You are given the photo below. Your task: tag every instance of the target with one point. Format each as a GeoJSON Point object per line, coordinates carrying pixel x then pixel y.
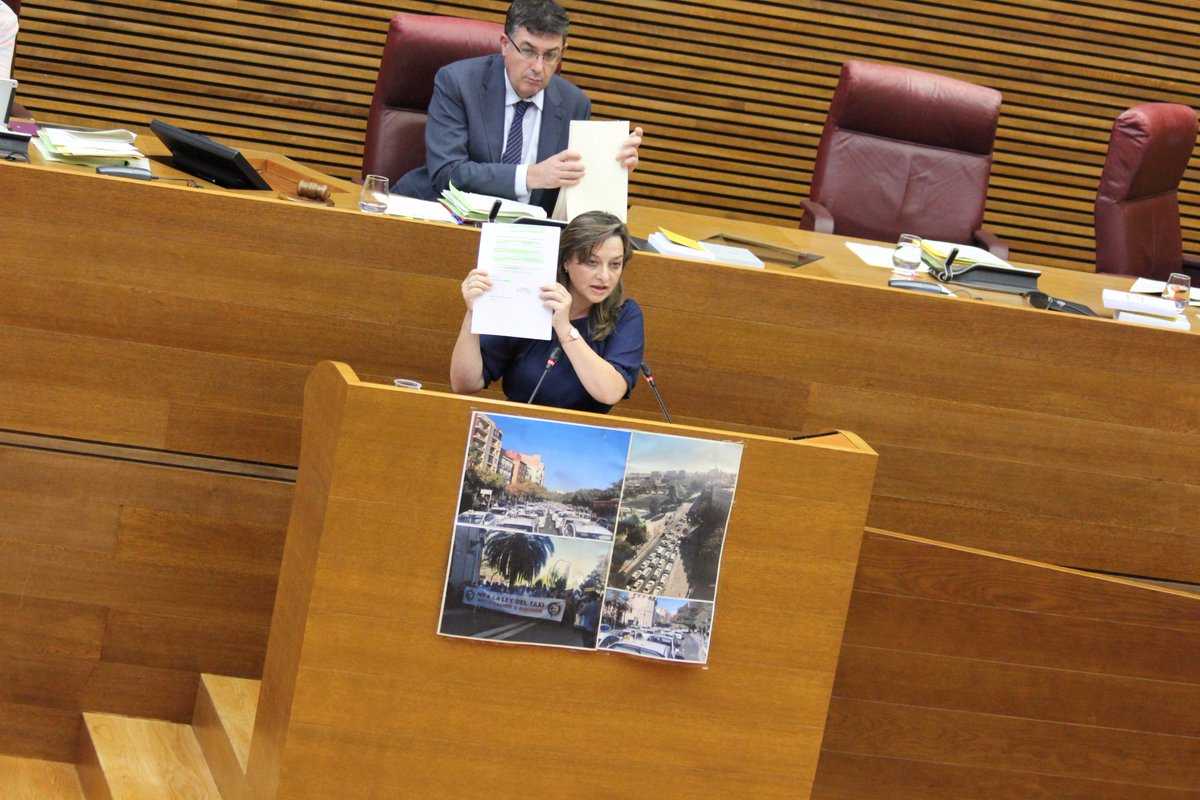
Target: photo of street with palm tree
{"type": "Point", "coordinates": [524, 588]}
{"type": "Point", "coordinates": [674, 509]}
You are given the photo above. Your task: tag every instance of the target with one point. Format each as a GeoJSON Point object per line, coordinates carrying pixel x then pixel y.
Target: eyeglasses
{"type": "Point", "coordinates": [550, 57]}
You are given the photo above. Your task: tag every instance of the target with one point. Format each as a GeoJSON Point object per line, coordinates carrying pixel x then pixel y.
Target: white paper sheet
{"type": "Point", "coordinates": [520, 259]}
{"type": "Point", "coordinates": [1139, 303]}
{"type": "Point", "coordinates": [1179, 323]}
{"type": "Point", "coordinates": [737, 256]}
{"type": "Point", "coordinates": [605, 184]}
{"type": "Point", "coordinates": [668, 248]}
{"type": "Point", "coordinates": [411, 207]}
{"type": "Point", "coordinates": [1147, 286]}
{"type": "Point", "coordinates": [876, 255]}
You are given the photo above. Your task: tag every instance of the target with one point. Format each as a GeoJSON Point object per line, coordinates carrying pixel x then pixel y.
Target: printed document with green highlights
{"type": "Point", "coordinates": [520, 260]}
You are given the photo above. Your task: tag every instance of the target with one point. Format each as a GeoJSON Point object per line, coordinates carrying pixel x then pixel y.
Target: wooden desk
{"type": "Point", "coordinates": [280, 172]}
{"type": "Point", "coordinates": [1067, 440]}
{"type": "Point", "coordinates": [159, 317]}
{"type": "Point", "coordinates": [839, 263]}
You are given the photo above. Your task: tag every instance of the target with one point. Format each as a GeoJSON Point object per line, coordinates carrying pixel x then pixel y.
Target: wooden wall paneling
{"type": "Point", "coordinates": [985, 413]}
{"type": "Point", "coordinates": [733, 94]}
{"type": "Point", "coordinates": [355, 677]}
{"type": "Point", "coordinates": [971, 675]}
{"type": "Point", "coordinates": [120, 582]}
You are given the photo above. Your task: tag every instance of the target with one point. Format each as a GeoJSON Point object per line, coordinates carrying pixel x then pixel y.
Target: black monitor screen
{"type": "Point", "coordinates": [199, 155]}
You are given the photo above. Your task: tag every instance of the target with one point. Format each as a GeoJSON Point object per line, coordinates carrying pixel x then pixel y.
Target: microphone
{"type": "Point", "coordinates": [654, 388]}
{"type": "Point", "coordinates": [550, 362]}
{"type": "Point", "coordinates": [1045, 301]}
{"type": "Point", "coordinates": [495, 210]}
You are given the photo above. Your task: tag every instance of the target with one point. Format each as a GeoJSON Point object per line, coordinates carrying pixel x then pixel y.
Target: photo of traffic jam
{"type": "Point", "coordinates": [655, 627]}
{"type": "Point", "coordinates": [586, 537]}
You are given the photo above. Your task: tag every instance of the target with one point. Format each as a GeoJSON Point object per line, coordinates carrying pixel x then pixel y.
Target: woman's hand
{"type": "Point", "coordinates": [556, 298]}
{"type": "Point", "coordinates": [476, 283]}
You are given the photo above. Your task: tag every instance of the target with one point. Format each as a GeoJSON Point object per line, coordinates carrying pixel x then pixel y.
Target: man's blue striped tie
{"type": "Point", "coordinates": [512, 149]}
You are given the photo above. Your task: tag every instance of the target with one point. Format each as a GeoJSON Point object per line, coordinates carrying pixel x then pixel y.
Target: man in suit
{"type": "Point", "coordinates": [499, 124]}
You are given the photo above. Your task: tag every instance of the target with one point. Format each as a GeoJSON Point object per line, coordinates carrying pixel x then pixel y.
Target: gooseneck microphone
{"type": "Point", "coordinates": [550, 362]}
{"type": "Point", "coordinates": [1051, 303]}
{"type": "Point", "coordinates": [654, 388]}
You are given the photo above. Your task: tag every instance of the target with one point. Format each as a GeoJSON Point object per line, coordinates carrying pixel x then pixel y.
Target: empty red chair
{"type": "Point", "coordinates": [417, 47]}
{"type": "Point", "coordinates": [1137, 207]}
{"type": "Point", "coordinates": [905, 151]}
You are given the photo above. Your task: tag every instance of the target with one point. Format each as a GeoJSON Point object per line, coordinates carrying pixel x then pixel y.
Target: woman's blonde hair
{"type": "Point", "coordinates": [579, 240]}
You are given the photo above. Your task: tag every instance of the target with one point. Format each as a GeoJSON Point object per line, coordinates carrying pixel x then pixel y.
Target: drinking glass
{"type": "Point", "coordinates": [906, 258]}
{"type": "Point", "coordinates": [1179, 289]}
{"type": "Point", "coordinates": [374, 196]}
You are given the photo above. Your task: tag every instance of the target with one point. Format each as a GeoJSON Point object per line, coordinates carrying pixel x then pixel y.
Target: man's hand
{"type": "Point", "coordinates": [563, 169]}
{"type": "Point", "coordinates": [628, 154]}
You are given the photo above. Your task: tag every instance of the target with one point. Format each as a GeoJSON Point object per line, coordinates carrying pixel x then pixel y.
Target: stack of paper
{"type": "Point", "coordinates": [669, 245]}
{"type": "Point", "coordinates": [1179, 323]}
{"type": "Point", "coordinates": [1147, 286]}
{"type": "Point", "coordinates": [1141, 310]}
{"type": "Point", "coordinates": [411, 207]}
{"type": "Point", "coordinates": [935, 253]}
{"type": "Point", "coordinates": [470, 207]}
{"type": "Point", "coordinates": [674, 244]}
{"type": "Point", "coordinates": [90, 148]}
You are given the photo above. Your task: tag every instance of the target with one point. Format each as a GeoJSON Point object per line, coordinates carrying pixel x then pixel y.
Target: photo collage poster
{"type": "Point", "coordinates": [589, 538]}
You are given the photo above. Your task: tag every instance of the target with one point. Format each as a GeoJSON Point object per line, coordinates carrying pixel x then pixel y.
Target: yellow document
{"type": "Point", "coordinates": [681, 240]}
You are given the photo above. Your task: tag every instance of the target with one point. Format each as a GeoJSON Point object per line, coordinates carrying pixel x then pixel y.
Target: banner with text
{"type": "Point", "coordinates": [550, 608]}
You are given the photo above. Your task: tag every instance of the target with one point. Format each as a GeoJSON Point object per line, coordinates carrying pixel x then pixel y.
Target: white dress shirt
{"type": "Point", "coordinates": [530, 129]}
{"type": "Point", "coordinates": [8, 41]}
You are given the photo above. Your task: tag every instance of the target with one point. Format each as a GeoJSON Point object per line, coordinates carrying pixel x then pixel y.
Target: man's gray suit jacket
{"type": "Point", "coordinates": [465, 134]}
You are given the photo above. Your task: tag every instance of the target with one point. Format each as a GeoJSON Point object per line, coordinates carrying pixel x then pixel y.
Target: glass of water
{"type": "Point", "coordinates": [906, 258]}
{"type": "Point", "coordinates": [374, 196]}
{"type": "Point", "coordinates": [1179, 289]}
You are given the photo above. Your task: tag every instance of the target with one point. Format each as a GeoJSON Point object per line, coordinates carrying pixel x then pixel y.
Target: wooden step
{"type": "Point", "coordinates": [223, 723]}
{"type": "Point", "coordinates": [30, 779]}
{"type": "Point", "coordinates": [124, 758]}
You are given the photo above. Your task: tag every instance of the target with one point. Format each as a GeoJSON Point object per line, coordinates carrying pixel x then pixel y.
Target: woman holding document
{"type": "Point", "coordinates": [597, 328]}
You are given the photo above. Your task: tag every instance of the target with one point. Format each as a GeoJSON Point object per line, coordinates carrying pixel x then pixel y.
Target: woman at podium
{"type": "Point", "coordinates": [592, 358]}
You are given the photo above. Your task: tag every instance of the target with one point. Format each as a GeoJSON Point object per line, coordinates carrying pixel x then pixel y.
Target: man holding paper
{"type": "Point", "coordinates": [498, 125]}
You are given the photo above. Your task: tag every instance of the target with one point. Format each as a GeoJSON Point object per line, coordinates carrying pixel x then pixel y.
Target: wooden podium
{"type": "Point", "coordinates": [361, 698]}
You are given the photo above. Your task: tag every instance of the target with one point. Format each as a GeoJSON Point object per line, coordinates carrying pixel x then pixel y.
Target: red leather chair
{"type": "Point", "coordinates": [1137, 207]}
{"type": "Point", "coordinates": [417, 47]}
{"type": "Point", "coordinates": [905, 151]}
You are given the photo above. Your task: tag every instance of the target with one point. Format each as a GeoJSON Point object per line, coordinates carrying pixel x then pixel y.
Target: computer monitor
{"type": "Point", "coordinates": [200, 156]}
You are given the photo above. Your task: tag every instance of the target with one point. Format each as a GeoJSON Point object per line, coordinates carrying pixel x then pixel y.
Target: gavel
{"type": "Point", "coordinates": [311, 190]}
